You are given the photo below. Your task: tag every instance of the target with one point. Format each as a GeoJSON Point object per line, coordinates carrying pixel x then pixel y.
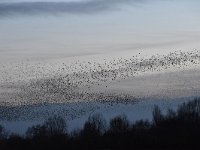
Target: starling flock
{"type": "Point", "coordinates": [71, 83]}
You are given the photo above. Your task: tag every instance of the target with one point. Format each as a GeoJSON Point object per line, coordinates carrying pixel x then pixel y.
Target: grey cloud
{"type": "Point", "coordinates": [81, 7]}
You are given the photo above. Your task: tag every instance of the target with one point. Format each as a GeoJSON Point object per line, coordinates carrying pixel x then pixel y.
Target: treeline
{"type": "Point", "coordinates": [178, 129]}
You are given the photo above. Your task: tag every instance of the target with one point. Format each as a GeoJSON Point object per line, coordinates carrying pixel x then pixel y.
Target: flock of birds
{"type": "Point", "coordinates": [75, 82]}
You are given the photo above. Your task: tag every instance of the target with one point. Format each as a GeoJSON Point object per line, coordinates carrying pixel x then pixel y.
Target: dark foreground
{"type": "Point", "coordinates": [178, 129]}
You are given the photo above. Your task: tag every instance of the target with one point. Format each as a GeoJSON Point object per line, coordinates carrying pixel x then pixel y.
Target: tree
{"type": "Point", "coordinates": [99, 122]}
{"type": "Point", "coordinates": [55, 125]}
{"type": "Point", "coordinates": [190, 111]}
{"type": "Point", "coordinates": [36, 131]}
{"type": "Point", "coordinates": [119, 124]}
{"type": "Point", "coordinates": [157, 115]}
{"type": "Point", "coordinates": [94, 126]}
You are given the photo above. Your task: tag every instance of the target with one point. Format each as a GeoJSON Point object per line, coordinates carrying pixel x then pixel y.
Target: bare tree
{"type": "Point", "coordinates": [36, 131]}
{"type": "Point", "coordinates": [98, 121]}
{"type": "Point", "coordinates": [94, 126]}
{"type": "Point", "coordinates": [157, 115]}
{"type": "Point", "coordinates": [55, 125]}
{"type": "Point", "coordinates": [119, 124]}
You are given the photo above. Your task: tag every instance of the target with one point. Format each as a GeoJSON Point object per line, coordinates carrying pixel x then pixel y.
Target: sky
{"type": "Point", "coordinates": [85, 27]}
{"type": "Point", "coordinates": [79, 27]}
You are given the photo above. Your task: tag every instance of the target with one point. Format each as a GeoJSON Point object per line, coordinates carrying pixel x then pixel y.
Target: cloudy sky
{"type": "Point", "coordinates": [97, 26]}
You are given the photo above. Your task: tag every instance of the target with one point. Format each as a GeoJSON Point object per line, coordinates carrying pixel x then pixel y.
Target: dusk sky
{"type": "Point", "coordinates": [75, 58]}
{"type": "Point", "coordinates": [97, 26]}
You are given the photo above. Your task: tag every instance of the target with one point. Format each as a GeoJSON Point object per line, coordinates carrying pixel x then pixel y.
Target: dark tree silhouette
{"type": "Point", "coordinates": [178, 129]}
{"type": "Point", "coordinates": [52, 126]}
{"type": "Point", "coordinates": [55, 125]}
{"type": "Point", "coordinates": [36, 131]}
{"type": "Point", "coordinates": [157, 115]}
{"type": "Point", "coordinates": [119, 124]}
{"type": "Point", "coordinates": [190, 111]}
{"type": "Point", "coordinates": [99, 122]}
{"type": "Point", "coordinates": [95, 125]}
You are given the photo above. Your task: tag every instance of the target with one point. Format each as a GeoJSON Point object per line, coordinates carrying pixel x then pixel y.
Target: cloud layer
{"type": "Point", "coordinates": [81, 7]}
